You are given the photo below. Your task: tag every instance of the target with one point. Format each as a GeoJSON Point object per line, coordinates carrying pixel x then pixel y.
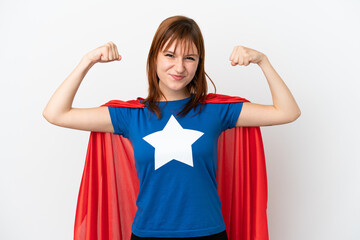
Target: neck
{"type": "Point", "coordinates": [174, 98]}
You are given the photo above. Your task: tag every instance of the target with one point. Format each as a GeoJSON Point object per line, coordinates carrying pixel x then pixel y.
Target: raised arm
{"type": "Point", "coordinates": [284, 108]}
{"type": "Point", "coordinates": [59, 110]}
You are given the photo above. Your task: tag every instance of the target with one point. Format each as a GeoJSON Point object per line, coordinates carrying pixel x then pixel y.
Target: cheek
{"type": "Point", "coordinates": [193, 68]}
{"type": "Point", "coordinates": [164, 66]}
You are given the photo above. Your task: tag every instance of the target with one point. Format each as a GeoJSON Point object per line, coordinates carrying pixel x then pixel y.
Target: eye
{"type": "Point", "coordinates": [191, 58]}
{"type": "Point", "coordinates": [169, 55]}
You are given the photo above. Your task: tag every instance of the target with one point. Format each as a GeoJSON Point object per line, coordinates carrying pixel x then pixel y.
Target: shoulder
{"type": "Point", "coordinates": [222, 98]}
{"type": "Point", "coordinates": [125, 104]}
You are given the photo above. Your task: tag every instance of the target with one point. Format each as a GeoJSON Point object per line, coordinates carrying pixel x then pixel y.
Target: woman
{"type": "Point", "coordinates": [171, 206]}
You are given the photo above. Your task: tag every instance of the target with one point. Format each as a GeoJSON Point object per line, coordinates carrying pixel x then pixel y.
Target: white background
{"type": "Point", "coordinates": [312, 163]}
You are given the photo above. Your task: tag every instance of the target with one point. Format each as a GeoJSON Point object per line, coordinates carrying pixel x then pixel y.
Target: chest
{"type": "Point", "coordinates": [173, 141]}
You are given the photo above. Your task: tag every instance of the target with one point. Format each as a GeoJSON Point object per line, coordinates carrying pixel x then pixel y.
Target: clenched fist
{"type": "Point", "coordinates": [104, 53]}
{"type": "Point", "coordinates": [244, 56]}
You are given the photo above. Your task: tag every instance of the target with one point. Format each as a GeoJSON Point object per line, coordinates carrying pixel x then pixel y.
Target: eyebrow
{"type": "Point", "coordinates": [186, 55]}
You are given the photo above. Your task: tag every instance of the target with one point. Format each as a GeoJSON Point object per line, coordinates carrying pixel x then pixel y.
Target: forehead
{"type": "Point", "coordinates": [185, 46]}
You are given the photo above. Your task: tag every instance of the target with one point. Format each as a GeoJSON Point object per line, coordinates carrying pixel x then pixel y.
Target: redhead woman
{"type": "Point", "coordinates": [174, 138]}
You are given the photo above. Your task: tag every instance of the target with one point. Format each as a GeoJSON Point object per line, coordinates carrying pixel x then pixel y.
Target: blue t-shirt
{"type": "Point", "coordinates": [175, 160]}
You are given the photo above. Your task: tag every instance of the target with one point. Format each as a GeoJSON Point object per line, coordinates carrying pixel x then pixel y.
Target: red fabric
{"type": "Point", "coordinates": [109, 187]}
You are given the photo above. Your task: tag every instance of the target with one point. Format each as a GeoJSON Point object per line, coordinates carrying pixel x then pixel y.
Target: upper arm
{"type": "Point", "coordinates": [228, 113]}
{"type": "Point", "coordinates": [253, 114]}
{"type": "Point", "coordinates": [95, 119]}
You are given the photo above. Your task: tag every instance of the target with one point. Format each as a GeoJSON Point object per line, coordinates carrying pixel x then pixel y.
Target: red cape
{"type": "Point", "coordinates": [109, 187]}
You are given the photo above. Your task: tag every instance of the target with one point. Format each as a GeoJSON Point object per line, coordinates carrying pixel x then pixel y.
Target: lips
{"type": "Point", "coordinates": [177, 77]}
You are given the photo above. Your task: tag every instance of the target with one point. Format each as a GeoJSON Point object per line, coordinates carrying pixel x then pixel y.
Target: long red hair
{"type": "Point", "coordinates": [184, 31]}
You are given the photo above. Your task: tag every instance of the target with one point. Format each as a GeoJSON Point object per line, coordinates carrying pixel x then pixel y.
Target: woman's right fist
{"type": "Point", "coordinates": [105, 53]}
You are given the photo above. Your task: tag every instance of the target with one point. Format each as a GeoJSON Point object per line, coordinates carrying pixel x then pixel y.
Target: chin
{"type": "Point", "coordinates": [178, 86]}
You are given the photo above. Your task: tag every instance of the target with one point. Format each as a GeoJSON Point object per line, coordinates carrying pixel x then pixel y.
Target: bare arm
{"type": "Point", "coordinates": [59, 110]}
{"type": "Point", "coordinates": [284, 108]}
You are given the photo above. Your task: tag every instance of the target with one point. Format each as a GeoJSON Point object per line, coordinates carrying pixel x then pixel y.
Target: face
{"type": "Point", "coordinates": [176, 70]}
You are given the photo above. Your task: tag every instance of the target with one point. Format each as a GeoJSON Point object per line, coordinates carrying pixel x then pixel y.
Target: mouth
{"type": "Point", "coordinates": [177, 77]}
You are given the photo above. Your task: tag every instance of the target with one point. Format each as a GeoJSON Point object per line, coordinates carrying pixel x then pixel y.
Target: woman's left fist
{"type": "Point", "coordinates": [244, 56]}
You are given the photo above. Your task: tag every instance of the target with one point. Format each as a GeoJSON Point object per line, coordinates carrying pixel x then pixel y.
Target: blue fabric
{"type": "Point", "coordinates": [178, 190]}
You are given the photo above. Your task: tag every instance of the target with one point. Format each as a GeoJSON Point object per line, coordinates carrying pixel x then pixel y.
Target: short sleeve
{"type": "Point", "coordinates": [229, 114]}
{"type": "Point", "coordinates": [119, 119]}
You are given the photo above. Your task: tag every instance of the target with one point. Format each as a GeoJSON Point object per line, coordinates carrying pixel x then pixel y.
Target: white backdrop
{"type": "Point", "coordinates": [312, 163]}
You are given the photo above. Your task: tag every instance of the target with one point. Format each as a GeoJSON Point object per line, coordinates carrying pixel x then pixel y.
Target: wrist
{"type": "Point", "coordinates": [263, 61]}
{"type": "Point", "coordinates": [86, 62]}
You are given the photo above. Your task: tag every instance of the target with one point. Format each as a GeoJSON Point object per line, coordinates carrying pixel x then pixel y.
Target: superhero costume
{"type": "Point", "coordinates": [109, 187]}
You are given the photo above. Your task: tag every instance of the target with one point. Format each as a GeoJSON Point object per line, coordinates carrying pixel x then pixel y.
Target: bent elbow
{"type": "Point", "coordinates": [48, 117]}
{"type": "Point", "coordinates": [44, 114]}
{"type": "Point", "coordinates": [296, 116]}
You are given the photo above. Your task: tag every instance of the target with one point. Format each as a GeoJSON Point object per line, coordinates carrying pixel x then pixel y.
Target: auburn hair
{"type": "Point", "coordinates": [184, 31]}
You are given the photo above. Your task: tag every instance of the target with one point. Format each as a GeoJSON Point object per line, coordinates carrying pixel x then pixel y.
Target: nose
{"type": "Point", "coordinates": [179, 66]}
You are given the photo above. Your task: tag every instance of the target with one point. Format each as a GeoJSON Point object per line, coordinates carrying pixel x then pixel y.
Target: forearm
{"type": "Point", "coordinates": [61, 101]}
{"type": "Point", "coordinates": [282, 98]}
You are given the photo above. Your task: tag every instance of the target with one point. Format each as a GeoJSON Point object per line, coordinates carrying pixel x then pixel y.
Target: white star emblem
{"type": "Point", "coordinates": [173, 142]}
